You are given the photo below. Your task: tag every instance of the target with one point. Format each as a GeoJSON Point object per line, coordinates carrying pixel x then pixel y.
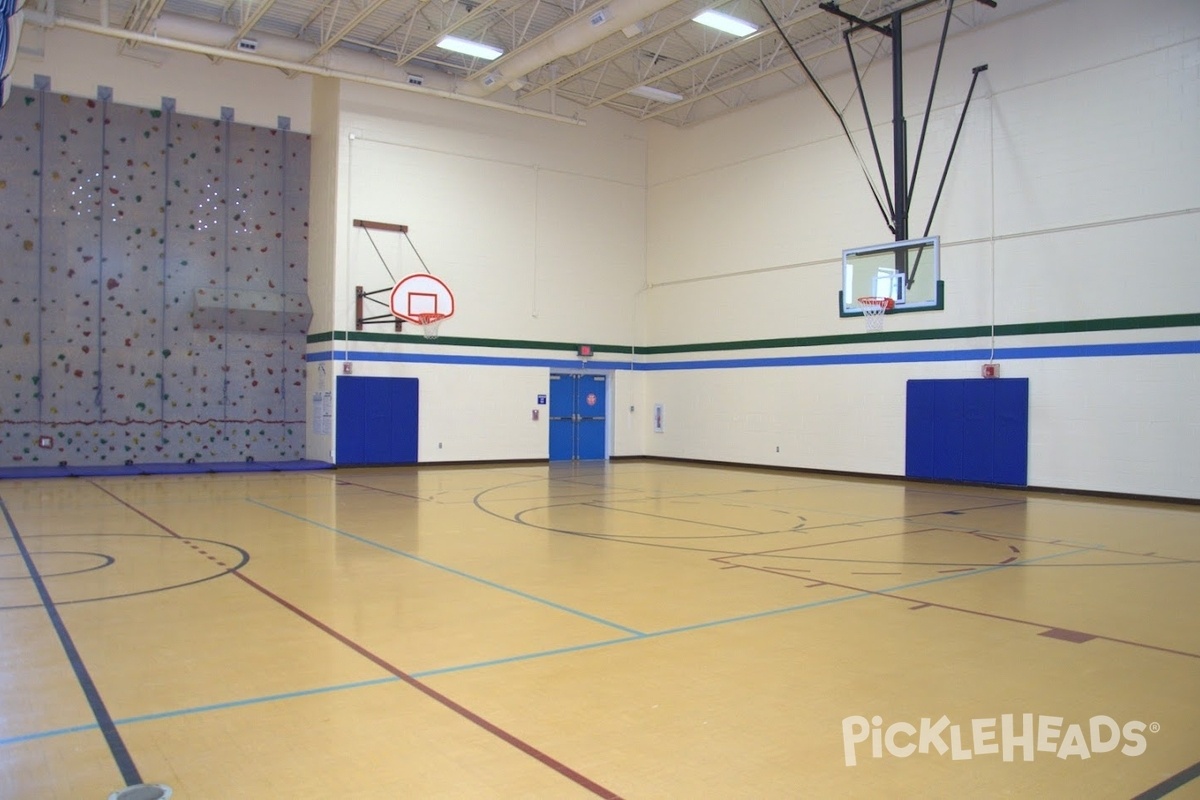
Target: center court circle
{"type": "Point", "coordinates": [12, 565]}
{"type": "Point", "coordinates": [86, 567]}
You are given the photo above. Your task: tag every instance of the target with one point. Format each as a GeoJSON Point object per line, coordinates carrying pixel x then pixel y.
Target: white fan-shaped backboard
{"type": "Point", "coordinates": [418, 296]}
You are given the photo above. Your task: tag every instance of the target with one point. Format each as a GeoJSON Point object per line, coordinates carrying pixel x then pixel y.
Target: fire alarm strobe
{"type": "Point", "coordinates": [585, 351]}
{"type": "Point", "coordinates": [991, 370]}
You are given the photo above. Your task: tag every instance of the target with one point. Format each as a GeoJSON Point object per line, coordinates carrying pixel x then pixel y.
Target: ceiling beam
{"type": "Point", "coordinates": [345, 30]}
{"type": "Point", "coordinates": [451, 28]}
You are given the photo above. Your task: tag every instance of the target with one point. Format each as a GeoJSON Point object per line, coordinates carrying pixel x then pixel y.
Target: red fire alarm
{"type": "Point", "coordinates": [585, 351]}
{"type": "Point", "coordinates": [991, 370]}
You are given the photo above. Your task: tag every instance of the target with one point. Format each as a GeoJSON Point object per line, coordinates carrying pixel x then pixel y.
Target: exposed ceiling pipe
{"type": "Point", "coordinates": [209, 39]}
{"type": "Point", "coordinates": [587, 28]}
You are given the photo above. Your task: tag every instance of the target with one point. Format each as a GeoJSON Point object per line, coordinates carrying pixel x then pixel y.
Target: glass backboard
{"type": "Point", "coordinates": [908, 272]}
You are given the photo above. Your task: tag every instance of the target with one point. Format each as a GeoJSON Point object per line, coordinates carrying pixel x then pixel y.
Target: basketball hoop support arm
{"type": "Point", "coordinates": [391, 227]}
{"type": "Point", "coordinates": [360, 298]}
{"type": "Point", "coordinates": [899, 204]}
{"type": "Point", "coordinates": [946, 170]}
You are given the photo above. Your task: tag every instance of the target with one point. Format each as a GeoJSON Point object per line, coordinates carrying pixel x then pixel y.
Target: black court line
{"type": "Point", "coordinates": [116, 745]}
{"type": "Point", "coordinates": [1172, 783]}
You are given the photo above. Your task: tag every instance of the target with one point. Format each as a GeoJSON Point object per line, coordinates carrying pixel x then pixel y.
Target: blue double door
{"type": "Point", "coordinates": [578, 411]}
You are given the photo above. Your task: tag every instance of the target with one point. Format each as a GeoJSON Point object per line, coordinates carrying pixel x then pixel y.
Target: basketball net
{"type": "Point", "coordinates": [873, 310]}
{"type": "Point", "coordinates": [429, 324]}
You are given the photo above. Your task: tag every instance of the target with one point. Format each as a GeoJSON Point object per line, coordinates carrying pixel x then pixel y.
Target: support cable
{"type": "Point", "coordinates": [937, 67]}
{"type": "Point", "coordinates": [841, 120]}
{"type": "Point", "coordinates": [946, 170]}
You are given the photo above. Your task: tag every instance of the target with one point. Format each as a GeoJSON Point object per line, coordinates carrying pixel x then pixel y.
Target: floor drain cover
{"type": "Point", "coordinates": [143, 791]}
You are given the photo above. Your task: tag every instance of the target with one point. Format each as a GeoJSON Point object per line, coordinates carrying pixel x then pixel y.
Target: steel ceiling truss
{"type": "Point", "coordinates": [712, 72]}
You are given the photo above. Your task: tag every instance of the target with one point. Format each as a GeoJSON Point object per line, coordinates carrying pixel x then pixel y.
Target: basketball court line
{"type": "Point", "coordinates": [1172, 783]}
{"type": "Point", "coordinates": [445, 701]}
{"type": "Point", "coordinates": [865, 593]}
{"type": "Point", "coordinates": [737, 533]}
{"type": "Point", "coordinates": [418, 675]}
{"type": "Point", "coordinates": [182, 712]}
{"type": "Point", "coordinates": [434, 499]}
{"type": "Point", "coordinates": [108, 729]}
{"type": "Point", "coordinates": [225, 568]}
{"type": "Point", "coordinates": [451, 570]}
{"type": "Point", "coordinates": [891, 594]}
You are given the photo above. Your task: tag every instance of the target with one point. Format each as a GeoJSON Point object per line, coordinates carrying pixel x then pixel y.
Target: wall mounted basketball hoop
{"type": "Point", "coordinates": [420, 298]}
{"type": "Point", "coordinates": [424, 300]}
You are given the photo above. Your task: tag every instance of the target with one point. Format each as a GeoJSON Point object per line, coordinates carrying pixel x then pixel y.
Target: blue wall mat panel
{"type": "Point", "coordinates": [973, 430]}
{"type": "Point", "coordinates": [120, 218]}
{"type": "Point", "coordinates": [948, 430]}
{"type": "Point", "coordinates": [1011, 454]}
{"type": "Point", "coordinates": [978, 430]}
{"type": "Point", "coordinates": [377, 420]}
{"type": "Point", "coordinates": [920, 421]}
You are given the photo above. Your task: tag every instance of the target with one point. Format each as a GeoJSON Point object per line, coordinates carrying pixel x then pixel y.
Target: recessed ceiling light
{"type": "Point", "coordinates": [726, 23]}
{"type": "Point", "coordinates": [467, 47]}
{"type": "Point", "coordinates": [652, 93]}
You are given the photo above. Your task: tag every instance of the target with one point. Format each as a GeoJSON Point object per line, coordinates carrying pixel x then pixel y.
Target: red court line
{"type": "Point", "coordinates": [466, 713]}
{"type": "Point", "coordinates": [986, 614]}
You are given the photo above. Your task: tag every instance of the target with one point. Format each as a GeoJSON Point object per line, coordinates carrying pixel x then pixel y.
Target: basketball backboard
{"type": "Point", "coordinates": [908, 272]}
{"type": "Point", "coordinates": [420, 298]}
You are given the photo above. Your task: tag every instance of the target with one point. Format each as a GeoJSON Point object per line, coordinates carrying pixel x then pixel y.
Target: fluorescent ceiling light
{"type": "Point", "coordinates": [467, 47]}
{"type": "Point", "coordinates": [724, 22]}
{"type": "Point", "coordinates": [661, 95]}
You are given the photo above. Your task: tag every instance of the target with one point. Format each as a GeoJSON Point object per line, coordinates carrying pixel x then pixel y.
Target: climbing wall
{"type": "Point", "coordinates": [158, 285]}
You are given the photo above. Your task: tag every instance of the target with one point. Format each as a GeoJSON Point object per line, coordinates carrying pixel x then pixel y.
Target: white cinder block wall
{"type": "Point", "coordinates": [1074, 195]}
{"type": "Point", "coordinates": [538, 228]}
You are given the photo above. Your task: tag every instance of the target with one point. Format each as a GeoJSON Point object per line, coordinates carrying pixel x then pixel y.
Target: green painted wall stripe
{"type": "Point", "coordinates": [972, 332]}
{"type": "Point", "coordinates": [461, 341]}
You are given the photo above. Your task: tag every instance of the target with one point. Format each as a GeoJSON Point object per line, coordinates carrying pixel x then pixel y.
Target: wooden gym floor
{"type": "Point", "coordinates": [636, 629]}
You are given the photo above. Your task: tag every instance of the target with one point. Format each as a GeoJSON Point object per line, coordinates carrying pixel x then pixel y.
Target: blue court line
{"type": "Point", "coordinates": [745, 617]}
{"type": "Point", "coordinates": [484, 581]}
{"type": "Point", "coordinates": [531, 656]}
{"type": "Point", "coordinates": [181, 712]}
{"type": "Point", "coordinates": [29, 737]}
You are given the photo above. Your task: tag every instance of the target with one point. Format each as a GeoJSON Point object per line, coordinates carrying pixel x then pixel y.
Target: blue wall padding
{"type": "Point", "coordinates": [377, 420]}
{"type": "Point", "coordinates": [972, 430]}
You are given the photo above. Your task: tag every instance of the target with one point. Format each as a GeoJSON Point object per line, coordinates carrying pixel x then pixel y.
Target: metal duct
{"type": "Point", "coordinates": [575, 36]}
{"type": "Point", "coordinates": [211, 38]}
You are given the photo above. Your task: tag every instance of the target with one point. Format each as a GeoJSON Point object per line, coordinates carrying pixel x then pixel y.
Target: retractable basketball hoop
{"type": "Point", "coordinates": [873, 310]}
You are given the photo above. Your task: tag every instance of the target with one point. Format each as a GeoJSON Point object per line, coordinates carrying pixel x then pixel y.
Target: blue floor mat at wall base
{"type": "Point", "coordinates": [106, 470]}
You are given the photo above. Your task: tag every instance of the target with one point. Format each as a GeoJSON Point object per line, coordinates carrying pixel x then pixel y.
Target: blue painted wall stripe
{"type": "Point", "coordinates": [1048, 352]}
